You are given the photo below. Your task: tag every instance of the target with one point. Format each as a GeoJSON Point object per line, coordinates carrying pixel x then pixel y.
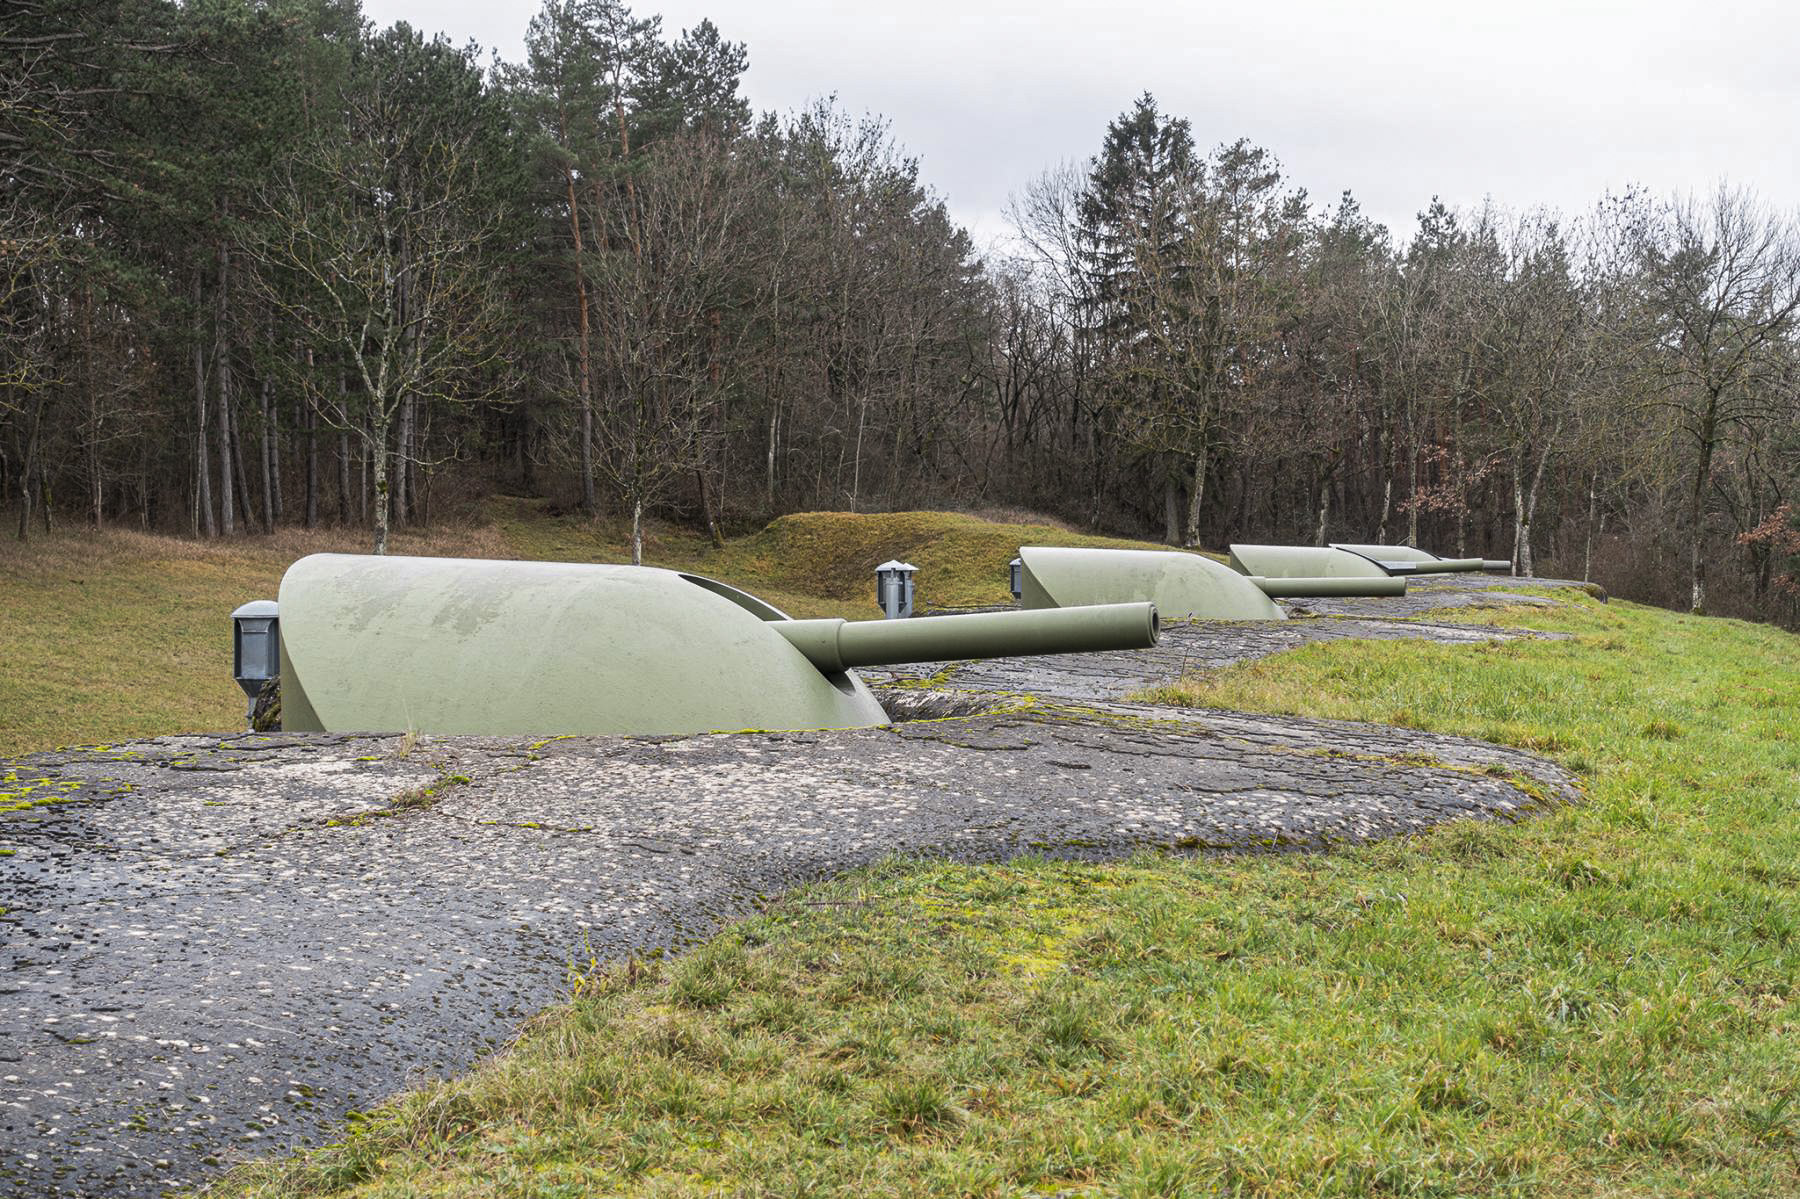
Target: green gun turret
{"type": "Point", "coordinates": [462, 646]}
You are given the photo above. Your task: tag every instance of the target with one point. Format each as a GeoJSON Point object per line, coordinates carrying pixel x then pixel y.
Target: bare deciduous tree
{"type": "Point", "coordinates": [1720, 300]}
{"type": "Point", "coordinates": [669, 297]}
{"type": "Point", "coordinates": [374, 251]}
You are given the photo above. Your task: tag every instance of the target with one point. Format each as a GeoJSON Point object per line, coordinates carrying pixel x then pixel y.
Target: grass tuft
{"type": "Point", "coordinates": [911, 1106]}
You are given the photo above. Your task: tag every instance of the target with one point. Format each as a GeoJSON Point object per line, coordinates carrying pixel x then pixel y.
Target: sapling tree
{"type": "Point", "coordinates": [672, 306]}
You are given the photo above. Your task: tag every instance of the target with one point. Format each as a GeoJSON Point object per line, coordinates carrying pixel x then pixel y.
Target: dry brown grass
{"type": "Point", "coordinates": [118, 633]}
{"type": "Point", "coordinates": [1002, 515]}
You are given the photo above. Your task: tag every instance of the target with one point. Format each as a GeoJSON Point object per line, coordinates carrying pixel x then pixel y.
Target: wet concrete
{"type": "Point", "coordinates": [1428, 594]}
{"type": "Point", "coordinates": [215, 946]}
{"type": "Point", "coordinates": [1200, 646]}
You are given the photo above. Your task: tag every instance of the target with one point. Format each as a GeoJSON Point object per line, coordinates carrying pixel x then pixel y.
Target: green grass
{"type": "Point", "coordinates": [111, 635]}
{"type": "Point", "coordinates": [1600, 1001]}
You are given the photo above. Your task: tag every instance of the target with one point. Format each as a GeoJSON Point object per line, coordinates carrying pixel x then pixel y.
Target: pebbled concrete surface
{"type": "Point", "coordinates": [1426, 594]}
{"type": "Point", "coordinates": [1209, 645]}
{"type": "Point", "coordinates": [214, 946]}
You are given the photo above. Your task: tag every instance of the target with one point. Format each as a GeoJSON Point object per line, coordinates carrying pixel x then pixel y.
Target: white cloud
{"type": "Point", "coordinates": [1528, 101]}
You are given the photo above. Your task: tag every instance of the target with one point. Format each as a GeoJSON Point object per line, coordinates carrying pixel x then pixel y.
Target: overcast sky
{"type": "Point", "coordinates": [1527, 101]}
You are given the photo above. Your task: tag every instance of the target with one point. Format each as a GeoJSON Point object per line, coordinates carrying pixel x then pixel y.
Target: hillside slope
{"type": "Point", "coordinates": [819, 563]}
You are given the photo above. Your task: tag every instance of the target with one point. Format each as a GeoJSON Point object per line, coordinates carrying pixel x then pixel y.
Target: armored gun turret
{"type": "Point", "coordinates": [462, 646]}
{"type": "Point", "coordinates": [1182, 586]}
{"type": "Point", "coordinates": [1302, 561]}
{"type": "Point", "coordinates": [1349, 562]}
{"type": "Point", "coordinates": [1404, 559]}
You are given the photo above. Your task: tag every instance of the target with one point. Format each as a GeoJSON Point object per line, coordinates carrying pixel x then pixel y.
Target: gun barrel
{"type": "Point", "coordinates": [834, 645]}
{"type": "Point", "coordinates": [1296, 588]}
{"type": "Point", "coordinates": [1497, 565]}
{"type": "Point", "coordinates": [1438, 566]}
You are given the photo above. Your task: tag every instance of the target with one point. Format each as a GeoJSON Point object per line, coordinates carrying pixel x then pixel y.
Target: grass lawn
{"type": "Point", "coordinates": [116, 634]}
{"type": "Point", "coordinates": [1600, 1001]}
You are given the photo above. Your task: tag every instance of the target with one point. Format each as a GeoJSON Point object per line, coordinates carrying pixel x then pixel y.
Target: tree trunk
{"type": "Point", "coordinates": [1462, 506]}
{"type": "Point", "coordinates": [227, 502]}
{"type": "Point", "coordinates": [421, 485]}
{"type": "Point", "coordinates": [27, 463]}
{"type": "Point", "coordinates": [222, 364]}
{"type": "Point", "coordinates": [43, 494]}
{"type": "Point", "coordinates": [1387, 508]}
{"type": "Point", "coordinates": [379, 453]}
{"type": "Point", "coordinates": [343, 450]}
{"type": "Point", "coordinates": [310, 411]}
{"type": "Point", "coordinates": [1171, 508]}
{"type": "Point", "coordinates": [1521, 555]}
{"type": "Point", "coordinates": [248, 511]}
{"type": "Point", "coordinates": [1527, 564]}
{"type": "Point", "coordinates": [203, 488]}
{"type": "Point", "coordinates": [1412, 495]}
{"type": "Point", "coordinates": [1587, 550]}
{"type": "Point", "coordinates": [268, 459]}
{"type": "Point", "coordinates": [280, 504]}
{"type": "Point", "coordinates": [637, 530]}
{"type": "Point", "coordinates": [1196, 495]}
{"type": "Point", "coordinates": [769, 476]}
{"type": "Point", "coordinates": [368, 448]}
{"type": "Point", "coordinates": [1531, 499]}
{"type": "Point", "coordinates": [402, 460]}
{"type": "Point", "coordinates": [1697, 506]}
{"type": "Point", "coordinates": [96, 478]}
{"type": "Point", "coordinates": [420, 467]}
{"type": "Point", "coordinates": [411, 438]}
{"type": "Point", "coordinates": [343, 473]}
{"type": "Point", "coordinates": [584, 379]}
{"type": "Point", "coordinates": [862, 419]}
{"type": "Point", "coordinates": [706, 510]}
{"type": "Point", "coordinates": [1324, 508]}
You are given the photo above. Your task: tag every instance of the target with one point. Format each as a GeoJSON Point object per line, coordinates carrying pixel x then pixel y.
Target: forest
{"type": "Point", "coordinates": [262, 263]}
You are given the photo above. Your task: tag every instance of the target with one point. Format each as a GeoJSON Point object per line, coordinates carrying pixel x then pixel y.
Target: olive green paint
{"type": "Point", "coordinates": [834, 644]}
{"type": "Point", "coordinates": [1303, 588]}
{"type": "Point", "coordinates": [1182, 586]}
{"type": "Point", "coordinates": [463, 646]}
{"type": "Point", "coordinates": [1301, 562]}
{"type": "Point", "coordinates": [1422, 562]}
{"type": "Point", "coordinates": [460, 646]}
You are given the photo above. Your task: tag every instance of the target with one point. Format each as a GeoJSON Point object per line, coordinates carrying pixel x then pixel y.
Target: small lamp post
{"type": "Point", "coordinates": [894, 589]}
{"type": "Point", "coordinates": [255, 648]}
{"type": "Point", "coordinates": [1014, 569]}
